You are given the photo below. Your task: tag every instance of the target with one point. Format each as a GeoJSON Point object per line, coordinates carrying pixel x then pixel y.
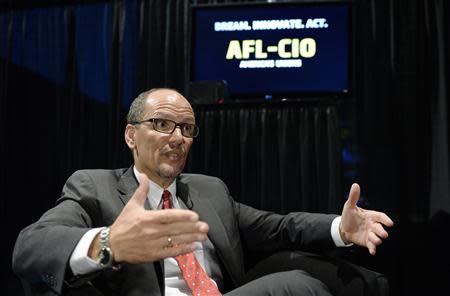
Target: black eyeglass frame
{"type": "Point", "coordinates": [181, 125]}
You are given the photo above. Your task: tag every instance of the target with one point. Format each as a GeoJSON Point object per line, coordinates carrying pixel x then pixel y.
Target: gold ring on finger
{"type": "Point", "coordinates": [169, 242]}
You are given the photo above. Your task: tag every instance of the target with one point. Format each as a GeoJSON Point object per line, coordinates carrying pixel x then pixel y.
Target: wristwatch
{"type": "Point", "coordinates": [105, 256]}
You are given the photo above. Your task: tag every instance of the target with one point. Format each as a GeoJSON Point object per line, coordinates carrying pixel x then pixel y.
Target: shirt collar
{"type": "Point", "coordinates": [155, 192]}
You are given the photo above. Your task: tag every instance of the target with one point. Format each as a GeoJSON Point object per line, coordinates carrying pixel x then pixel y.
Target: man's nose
{"type": "Point", "coordinates": [177, 136]}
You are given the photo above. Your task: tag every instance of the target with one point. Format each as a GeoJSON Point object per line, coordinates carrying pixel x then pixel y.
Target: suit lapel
{"type": "Point", "coordinates": [127, 185]}
{"type": "Point", "coordinates": [217, 233]}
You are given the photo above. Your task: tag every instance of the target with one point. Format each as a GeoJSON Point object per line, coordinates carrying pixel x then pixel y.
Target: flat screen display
{"type": "Point", "coordinates": [269, 50]}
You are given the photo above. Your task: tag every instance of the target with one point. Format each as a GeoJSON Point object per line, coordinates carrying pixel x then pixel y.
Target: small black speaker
{"type": "Point", "coordinates": [208, 92]}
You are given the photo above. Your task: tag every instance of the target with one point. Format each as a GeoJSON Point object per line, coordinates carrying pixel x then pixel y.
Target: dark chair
{"type": "Point", "coordinates": [341, 276]}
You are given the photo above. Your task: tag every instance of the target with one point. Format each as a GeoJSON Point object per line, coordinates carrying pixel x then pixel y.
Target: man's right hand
{"type": "Point", "coordinates": [139, 235]}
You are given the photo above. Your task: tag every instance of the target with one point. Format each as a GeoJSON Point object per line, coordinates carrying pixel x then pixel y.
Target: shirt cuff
{"type": "Point", "coordinates": [80, 262]}
{"type": "Point", "coordinates": [335, 234]}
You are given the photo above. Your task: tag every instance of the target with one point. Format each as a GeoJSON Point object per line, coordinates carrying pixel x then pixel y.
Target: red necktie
{"type": "Point", "coordinates": [194, 275]}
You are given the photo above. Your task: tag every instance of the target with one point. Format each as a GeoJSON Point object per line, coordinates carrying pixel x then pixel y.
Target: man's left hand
{"type": "Point", "coordinates": [362, 227]}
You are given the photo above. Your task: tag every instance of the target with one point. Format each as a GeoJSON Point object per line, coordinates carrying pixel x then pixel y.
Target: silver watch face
{"type": "Point", "coordinates": [105, 256]}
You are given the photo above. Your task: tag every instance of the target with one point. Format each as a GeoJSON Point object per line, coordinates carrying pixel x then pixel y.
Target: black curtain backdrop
{"type": "Point", "coordinates": [69, 69]}
{"type": "Point", "coordinates": [281, 157]}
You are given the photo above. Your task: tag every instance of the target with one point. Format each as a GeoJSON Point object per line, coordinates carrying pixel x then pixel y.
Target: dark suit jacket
{"type": "Point", "coordinates": [94, 198]}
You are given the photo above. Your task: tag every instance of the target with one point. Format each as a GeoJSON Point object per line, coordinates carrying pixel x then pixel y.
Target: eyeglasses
{"type": "Point", "coordinates": [167, 126]}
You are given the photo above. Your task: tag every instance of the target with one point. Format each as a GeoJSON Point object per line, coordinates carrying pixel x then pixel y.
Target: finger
{"type": "Point", "coordinates": [188, 232]}
{"type": "Point", "coordinates": [170, 216]}
{"type": "Point", "coordinates": [178, 228]}
{"type": "Point", "coordinates": [379, 230]}
{"type": "Point", "coordinates": [183, 227]}
{"type": "Point", "coordinates": [381, 218]}
{"type": "Point", "coordinates": [165, 252]}
{"type": "Point", "coordinates": [140, 195]}
{"type": "Point", "coordinates": [374, 239]}
{"type": "Point", "coordinates": [181, 239]}
{"type": "Point", "coordinates": [178, 250]}
{"type": "Point", "coordinates": [372, 248]}
{"type": "Point", "coordinates": [353, 196]}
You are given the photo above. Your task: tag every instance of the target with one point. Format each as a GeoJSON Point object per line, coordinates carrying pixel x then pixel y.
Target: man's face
{"type": "Point", "coordinates": [161, 156]}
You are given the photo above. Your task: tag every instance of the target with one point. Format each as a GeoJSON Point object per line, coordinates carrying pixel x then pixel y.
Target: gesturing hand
{"type": "Point", "coordinates": [139, 235]}
{"type": "Point", "coordinates": [360, 226]}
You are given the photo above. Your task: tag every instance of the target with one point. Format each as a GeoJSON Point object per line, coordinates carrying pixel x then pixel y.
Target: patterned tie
{"type": "Point", "coordinates": [194, 275]}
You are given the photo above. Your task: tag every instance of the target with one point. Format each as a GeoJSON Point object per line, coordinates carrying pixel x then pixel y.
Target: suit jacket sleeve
{"type": "Point", "coordinates": [267, 232]}
{"type": "Point", "coordinates": [43, 249]}
{"type": "Point", "coordinates": [264, 232]}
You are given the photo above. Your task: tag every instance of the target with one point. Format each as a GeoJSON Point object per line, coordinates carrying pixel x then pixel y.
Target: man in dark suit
{"type": "Point", "coordinates": [106, 236]}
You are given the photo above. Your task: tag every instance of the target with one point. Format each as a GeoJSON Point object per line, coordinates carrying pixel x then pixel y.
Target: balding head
{"type": "Point", "coordinates": [136, 112]}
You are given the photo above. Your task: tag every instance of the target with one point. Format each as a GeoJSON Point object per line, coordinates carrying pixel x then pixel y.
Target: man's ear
{"type": "Point", "coordinates": [130, 131]}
